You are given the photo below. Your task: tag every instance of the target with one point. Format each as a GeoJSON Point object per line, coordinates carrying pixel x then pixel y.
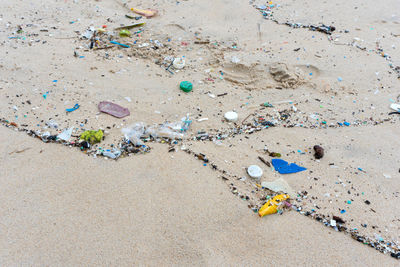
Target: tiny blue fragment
{"type": "Point", "coordinates": [72, 109]}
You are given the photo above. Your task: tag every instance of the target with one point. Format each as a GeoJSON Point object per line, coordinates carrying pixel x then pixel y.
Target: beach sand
{"type": "Point", "coordinates": [65, 207]}
{"type": "Point", "coordinates": [61, 207]}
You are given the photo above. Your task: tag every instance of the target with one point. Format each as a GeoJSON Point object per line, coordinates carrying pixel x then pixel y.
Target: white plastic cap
{"type": "Point", "coordinates": [231, 116]}
{"type": "Point", "coordinates": [254, 171]}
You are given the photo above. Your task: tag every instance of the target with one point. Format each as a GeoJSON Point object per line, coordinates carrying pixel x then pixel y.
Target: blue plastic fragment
{"type": "Point", "coordinates": [283, 167]}
{"type": "Point", "coordinates": [346, 123]}
{"type": "Point", "coordinates": [72, 109]}
{"type": "Point", "coordinates": [123, 45]}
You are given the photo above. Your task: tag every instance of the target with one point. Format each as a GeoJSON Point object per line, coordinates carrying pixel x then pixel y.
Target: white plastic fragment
{"type": "Point", "coordinates": [231, 116]}
{"type": "Point", "coordinates": [66, 134]}
{"type": "Point", "coordinates": [255, 171]}
{"type": "Point", "coordinates": [235, 60]}
{"type": "Point", "coordinates": [279, 185]}
{"type": "Point", "coordinates": [178, 63]}
{"type": "Point", "coordinates": [395, 107]}
{"type": "Point", "coordinates": [387, 176]}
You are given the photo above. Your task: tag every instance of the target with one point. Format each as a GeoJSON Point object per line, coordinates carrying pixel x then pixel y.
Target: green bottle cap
{"type": "Point", "coordinates": [186, 86]}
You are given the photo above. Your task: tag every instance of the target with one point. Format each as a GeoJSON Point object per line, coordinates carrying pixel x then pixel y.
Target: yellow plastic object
{"type": "Point", "coordinates": [148, 13]}
{"type": "Point", "coordinates": [271, 206]}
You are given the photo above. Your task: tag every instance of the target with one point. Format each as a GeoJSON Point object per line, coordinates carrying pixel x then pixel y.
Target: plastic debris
{"type": "Point", "coordinates": [73, 108]}
{"type": "Point", "coordinates": [92, 136]}
{"type": "Point", "coordinates": [124, 33]}
{"type": "Point", "coordinates": [272, 205]}
{"type": "Point", "coordinates": [148, 13]}
{"type": "Point", "coordinates": [186, 86]}
{"type": "Point", "coordinates": [114, 154]}
{"type": "Point", "coordinates": [179, 63]}
{"type": "Point", "coordinates": [117, 43]}
{"type": "Point", "coordinates": [128, 27]}
{"type": "Point", "coordinates": [66, 134]}
{"type": "Point", "coordinates": [113, 109]}
{"type": "Point", "coordinates": [172, 131]}
{"type": "Point", "coordinates": [255, 171]}
{"type": "Point", "coordinates": [88, 34]}
{"type": "Point", "coordinates": [387, 176]}
{"type": "Point", "coordinates": [283, 167]}
{"type": "Point", "coordinates": [231, 116]}
{"type": "Point", "coordinates": [52, 124]}
{"type": "Point", "coordinates": [395, 107]}
{"type": "Point", "coordinates": [134, 132]}
{"type": "Point", "coordinates": [279, 185]}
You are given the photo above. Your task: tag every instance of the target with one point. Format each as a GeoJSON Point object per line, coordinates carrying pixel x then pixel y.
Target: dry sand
{"type": "Point", "coordinates": [62, 207]}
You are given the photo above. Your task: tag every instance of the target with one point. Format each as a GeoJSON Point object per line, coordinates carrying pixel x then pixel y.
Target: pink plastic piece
{"type": "Point", "coordinates": [113, 109]}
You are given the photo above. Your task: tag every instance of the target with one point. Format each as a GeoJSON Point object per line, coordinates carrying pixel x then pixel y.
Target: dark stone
{"type": "Point", "coordinates": [319, 152]}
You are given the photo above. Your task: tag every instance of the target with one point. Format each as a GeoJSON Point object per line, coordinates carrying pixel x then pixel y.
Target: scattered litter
{"type": "Point", "coordinates": [395, 107]}
{"type": "Point", "coordinates": [179, 63]}
{"type": "Point", "coordinates": [274, 154]}
{"type": "Point", "coordinates": [235, 60]}
{"type": "Point", "coordinates": [134, 132]}
{"type": "Point", "coordinates": [114, 154]}
{"type": "Point", "coordinates": [117, 43]}
{"type": "Point", "coordinates": [124, 33]}
{"type": "Point", "coordinates": [231, 116]}
{"type": "Point", "coordinates": [128, 27]}
{"type": "Point", "coordinates": [113, 109]}
{"type": "Point", "coordinates": [279, 185]}
{"type": "Point", "coordinates": [186, 86]}
{"type": "Point", "coordinates": [52, 124]}
{"type": "Point", "coordinates": [148, 13]}
{"type": "Point", "coordinates": [255, 171]}
{"type": "Point", "coordinates": [92, 136]}
{"type": "Point", "coordinates": [73, 108]}
{"type": "Point", "coordinates": [387, 176]}
{"type": "Point", "coordinates": [66, 134]}
{"type": "Point", "coordinates": [173, 131]}
{"type": "Point", "coordinates": [272, 205]}
{"type": "Point", "coordinates": [283, 167]}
